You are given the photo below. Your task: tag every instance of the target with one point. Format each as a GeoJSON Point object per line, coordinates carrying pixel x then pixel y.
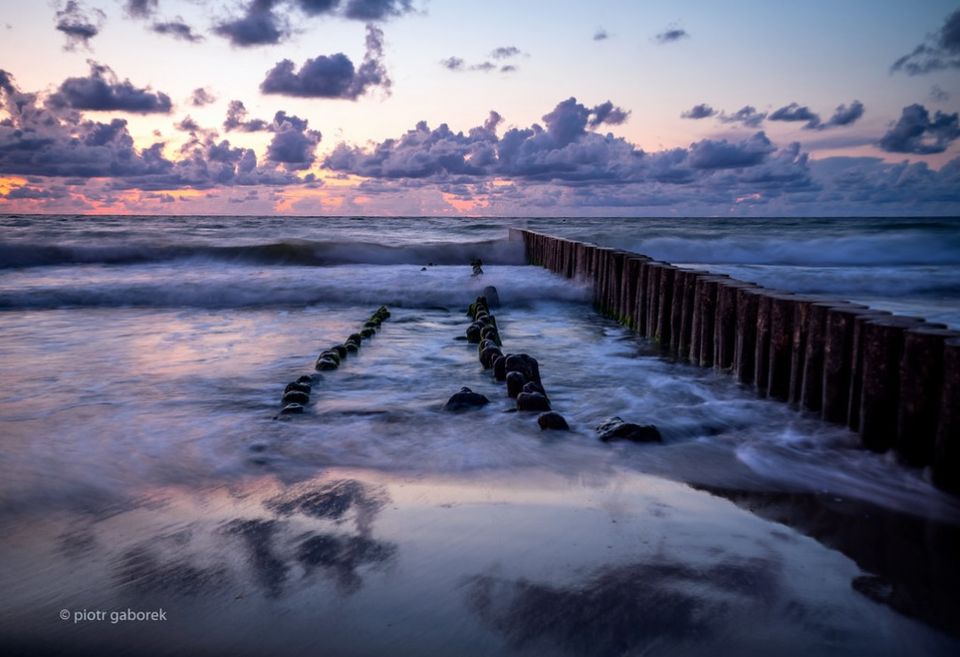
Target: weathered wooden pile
{"type": "Point", "coordinates": [895, 380]}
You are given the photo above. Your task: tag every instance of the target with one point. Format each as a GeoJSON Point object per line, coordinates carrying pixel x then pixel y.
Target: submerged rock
{"type": "Point", "coordinates": [367, 333]}
{"type": "Point", "coordinates": [295, 397]}
{"type": "Point", "coordinates": [355, 337]}
{"type": "Point", "coordinates": [352, 347]}
{"type": "Point", "coordinates": [515, 383]}
{"type": "Point", "coordinates": [526, 365]}
{"type": "Point", "coordinates": [531, 386]}
{"type": "Point", "coordinates": [500, 368]}
{"type": "Point", "coordinates": [332, 355]}
{"type": "Point", "coordinates": [292, 409]}
{"type": "Point", "coordinates": [465, 400]}
{"type": "Point", "coordinates": [299, 387]}
{"type": "Point", "coordinates": [552, 420]}
{"type": "Point", "coordinates": [340, 349]}
{"type": "Point", "coordinates": [532, 401]}
{"type": "Point", "coordinates": [615, 428]}
{"type": "Point", "coordinates": [473, 333]}
{"type": "Point", "coordinates": [325, 364]}
{"type": "Point", "coordinates": [309, 379]}
{"type": "Point", "coordinates": [488, 355]}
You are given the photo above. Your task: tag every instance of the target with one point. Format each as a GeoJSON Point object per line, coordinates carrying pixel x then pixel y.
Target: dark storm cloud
{"type": "Point", "coordinates": [78, 24]}
{"type": "Point", "coordinates": [747, 115]}
{"type": "Point", "coordinates": [915, 132]}
{"type": "Point", "coordinates": [701, 111]}
{"type": "Point", "coordinates": [178, 29]}
{"type": "Point", "coordinates": [53, 141]}
{"type": "Point", "coordinates": [140, 8]}
{"type": "Point", "coordinates": [102, 91]}
{"type": "Point", "coordinates": [201, 97]}
{"type": "Point", "coordinates": [940, 51]}
{"type": "Point", "coordinates": [505, 52]}
{"type": "Point", "coordinates": [671, 35]}
{"type": "Point", "coordinates": [332, 76]}
{"type": "Point", "coordinates": [794, 113]}
{"type": "Point", "coordinates": [601, 35]}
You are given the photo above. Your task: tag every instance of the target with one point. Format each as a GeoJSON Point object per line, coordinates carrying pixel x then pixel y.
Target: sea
{"type": "Point", "coordinates": [144, 465]}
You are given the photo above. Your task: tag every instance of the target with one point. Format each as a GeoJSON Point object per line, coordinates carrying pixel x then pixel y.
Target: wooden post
{"type": "Point", "coordinates": [725, 323]}
{"type": "Point", "coordinates": [653, 297]}
{"type": "Point", "coordinates": [879, 396]}
{"type": "Point", "coordinates": [745, 345]}
{"type": "Point", "coordinates": [921, 381]}
{"type": "Point", "coordinates": [640, 305]}
{"type": "Point", "coordinates": [781, 346]}
{"type": "Point", "coordinates": [946, 463]}
{"type": "Point", "coordinates": [662, 335]}
{"type": "Point", "coordinates": [856, 366]}
{"type": "Point", "coordinates": [707, 289]}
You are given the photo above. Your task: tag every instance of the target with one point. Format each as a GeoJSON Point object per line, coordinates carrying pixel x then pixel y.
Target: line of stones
{"type": "Point", "coordinates": [895, 380]}
{"type": "Point", "coordinates": [296, 394]}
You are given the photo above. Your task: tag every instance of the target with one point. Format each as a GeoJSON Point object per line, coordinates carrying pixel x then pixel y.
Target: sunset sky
{"type": "Point", "coordinates": [408, 107]}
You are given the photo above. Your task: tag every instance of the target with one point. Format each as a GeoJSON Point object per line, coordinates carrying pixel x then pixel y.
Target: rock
{"type": "Point", "coordinates": [332, 355]}
{"type": "Point", "coordinates": [484, 344]}
{"type": "Point", "coordinates": [500, 368]}
{"type": "Point", "coordinates": [296, 385]}
{"type": "Point", "coordinates": [324, 364]}
{"type": "Point", "coordinates": [487, 320]}
{"type": "Point", "coordinates": [340, 349]}
{"type": "Point", "coordinates": [552, 420]}
{"type": "Point", "coordinates": [423, 269]}
{"type": "Point", "coordinates": [515, 383]}
{"type": "Point", "coordinates": [291, 409]}
{"type": "Point", "coordinates": [532, 386]}
{"type": "Point", "coordinates": [295, 397]}
{"type": "Point", "coordinates": [491, 295]}
{"type": "Point", "coordinates": [532, 401]}
{"type": "Point", "coordinates": [367, 333]}
{"type": "Point", "coordinates": [309, 379]}
{"type": "Point", "coordinates": [371, 325]}
{"type": "Point", "coordinates": [465, 400]}
{"type": "Point", "coordinates": [488, 355]}
{"type": "Point", "coordinates": [490, 333]}
{"type": "Point", "coordinates": [526, 365]}
{"type": "Point", "coordinates": [351, 346]}
{"type": "Point", "coordinates": [616, 429]}
{"type": "Point", "coordinates": [383, 312]}
{"type": "Point", "coordinates": [473, 333]}
{"type": "Point", "coordinates": [355, 337]}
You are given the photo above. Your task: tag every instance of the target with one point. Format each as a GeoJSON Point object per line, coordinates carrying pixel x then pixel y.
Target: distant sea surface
{"type": "Point", "coordinates": [142, 361]}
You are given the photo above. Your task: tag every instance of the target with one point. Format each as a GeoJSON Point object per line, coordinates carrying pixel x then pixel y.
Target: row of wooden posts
{"type": "Point", "coordinates": [894, 380]}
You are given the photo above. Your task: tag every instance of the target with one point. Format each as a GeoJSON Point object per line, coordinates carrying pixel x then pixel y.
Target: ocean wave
{"type": "Point", "coordinates": [290, 252]}
{"type": "Point", "coordinates": [888, 248]}
{"type": "Point", "coordinates": [337, 286]}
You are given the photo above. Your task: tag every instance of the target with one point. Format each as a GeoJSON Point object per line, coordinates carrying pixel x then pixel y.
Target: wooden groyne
{"type": "Point", "coordinates": [894, 380]}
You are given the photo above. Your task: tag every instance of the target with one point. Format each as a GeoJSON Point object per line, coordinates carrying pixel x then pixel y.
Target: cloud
{"type": "Point", "coordinates": [237, 119]}
{"type": "Point", "coordinates": [940, 51]}
{"type": "Point", "coordinates": [453, 63]}
{"type": "Point", "coordinates": [267, 22]}
{"type": "Point", "coordinates": [293, 145]}
{"type": "Point", "coordinates": [712, 154]}
{"type": "Point", "coordinates": [78, 24]}
{"type": "Point", "coordinates": [607, 113]}
{"type": "Point", "coordinates": [505, 52]}
{"type": "Point", "coordinates": [376, 10]}
{"type": "Point", "coordinates": [601, 35]}
{"type": "Point", "coordinates": [795, 113]}
{"type": "Point", "coordinates": [845, 115]}
{"type": "Point", "coordinates": [140, 8]}
{"type": "Point", "coordinates": [332, 76]}
{"type": "Point", "coordinates": [747, 115]}
{"type": "Point", "coordinates": [201, 96]}
{"type": "Point", "coordinates": [701, 111]}
{"type": "Point", "coordinates": [915, 132]}
{"type": "Point", "coordinates": [938, 95]}
{"type": "Point", "coordinates": [259, 25]}
{"type": "Point", "coordinates": [102, 91]}
{"type": "Point", "coordinates": [178, 29]}
{"type": "Point", "coordinates": [508, 68]}
{"type": "Point", "coordinates": [671, 35]}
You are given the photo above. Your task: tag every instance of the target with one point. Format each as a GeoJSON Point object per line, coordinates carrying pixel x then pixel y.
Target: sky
{"type": "Point", "coordinates": [436, 107]}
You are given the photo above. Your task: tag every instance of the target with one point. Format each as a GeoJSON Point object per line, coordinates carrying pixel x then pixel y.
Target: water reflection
{"type": "Point", "coordinates": [627, 609]}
